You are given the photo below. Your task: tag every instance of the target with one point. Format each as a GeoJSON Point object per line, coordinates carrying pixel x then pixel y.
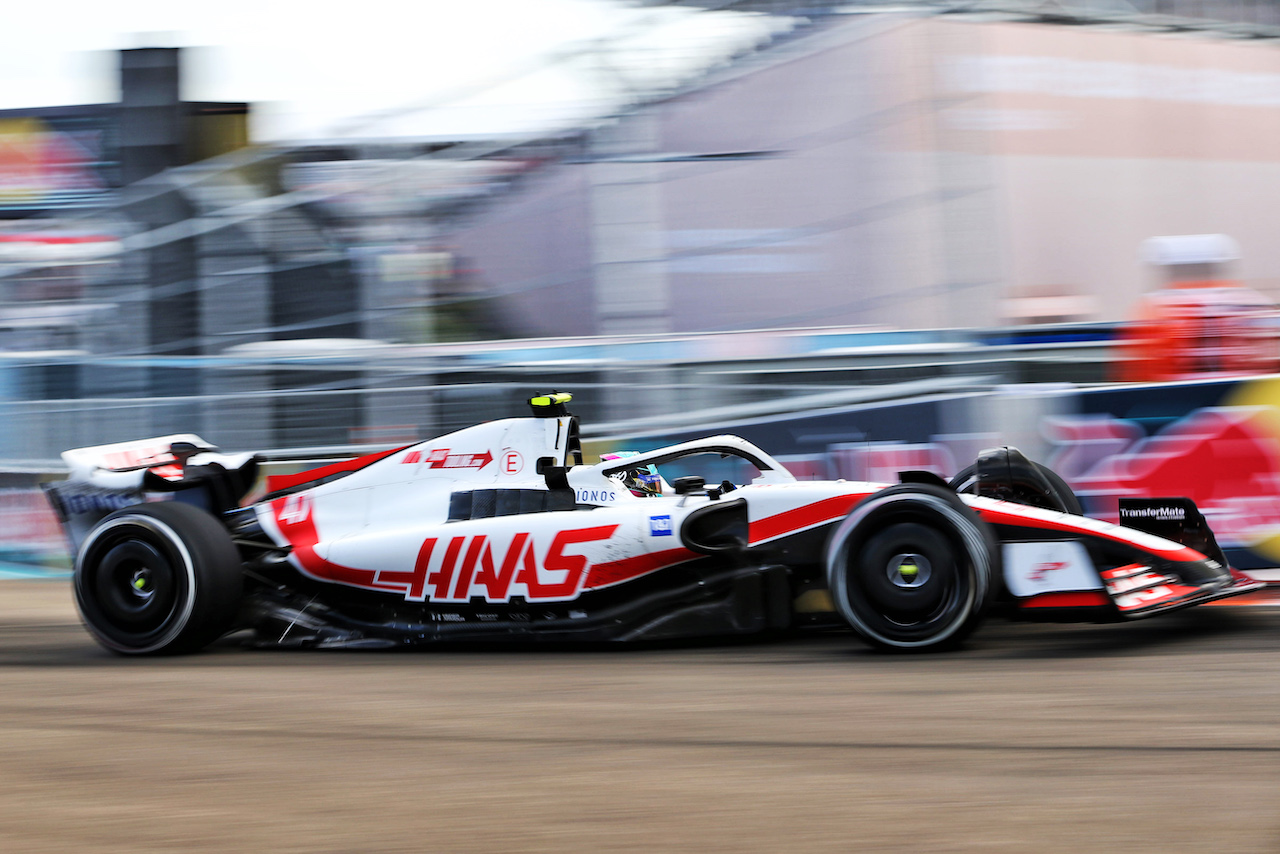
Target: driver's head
{"type": "Point", "coordinates": [642, 481]}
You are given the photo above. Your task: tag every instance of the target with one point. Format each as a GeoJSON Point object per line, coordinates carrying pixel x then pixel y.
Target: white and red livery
{"type": "Point", "coordinates": [501, 532]}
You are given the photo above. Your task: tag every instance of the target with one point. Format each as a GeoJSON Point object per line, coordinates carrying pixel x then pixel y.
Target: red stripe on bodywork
{"type": "Point", "coordinates": [810, 515]}
{"type": "Point", "coordinates": [1123, 571]}
{"type": "Point", "coordinates": [826, 510]}
{"type": "Point", "coordinates": [1080, 599]}
{"type": "Point", "coordinates": [277, 482]}
{"type": "Point", "coordinates": [617, 571]}
{"type": "Point", "coordinates": [999, 517]}
{"type": "Point", "coordinates": [300, 529]}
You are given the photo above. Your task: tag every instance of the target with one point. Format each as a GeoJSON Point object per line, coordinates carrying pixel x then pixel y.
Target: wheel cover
{"type": "Point", "coordinates": [909, 570]}
{"type": "Point", "coordinates": [886, 584]}
{"type": "Point", "coordinates": [902, 609]}
{"type": "Point", "coordinates": [134, 584]}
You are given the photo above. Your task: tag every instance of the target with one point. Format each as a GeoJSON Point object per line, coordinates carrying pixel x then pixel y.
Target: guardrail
{"type": "Point", "coordinates": [394, 395]}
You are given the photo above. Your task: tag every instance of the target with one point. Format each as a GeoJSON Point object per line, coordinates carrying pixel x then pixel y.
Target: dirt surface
{"type": "Point", "coordinates": [1154, 736]}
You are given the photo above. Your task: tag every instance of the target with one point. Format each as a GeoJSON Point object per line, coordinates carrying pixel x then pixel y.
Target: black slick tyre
{"type": "Point", "coordinates": [158, 578]}
{"type": "Point", "coordinates": [912, 568]}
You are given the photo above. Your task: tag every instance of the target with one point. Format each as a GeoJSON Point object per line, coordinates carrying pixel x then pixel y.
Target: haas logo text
{"type": "Point", "coordinates": [454, 569]}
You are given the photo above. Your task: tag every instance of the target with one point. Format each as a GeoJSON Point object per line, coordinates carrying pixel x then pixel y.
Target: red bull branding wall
{"type": "Point", "coordinates": [1224, 454]}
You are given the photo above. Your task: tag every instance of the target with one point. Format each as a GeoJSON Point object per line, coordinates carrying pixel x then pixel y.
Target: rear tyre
{"type": "Point", "coordinates": [912, 568]}
{"type": "Point", "coordinates": [159, 578]}
{"type": "Point", "coordinates": [1063, 497]}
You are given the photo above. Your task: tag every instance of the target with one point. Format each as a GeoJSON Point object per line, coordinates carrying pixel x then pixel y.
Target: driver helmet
{"type": "Point", "coordinates": [642, 481]}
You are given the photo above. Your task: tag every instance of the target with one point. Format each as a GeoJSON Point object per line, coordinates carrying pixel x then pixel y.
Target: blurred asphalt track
{"type": "Point", "coordinates": [1160, 735]}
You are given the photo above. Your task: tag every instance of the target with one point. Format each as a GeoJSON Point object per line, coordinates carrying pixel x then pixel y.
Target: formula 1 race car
{"type": "Point", "coordinates": [501, 532]}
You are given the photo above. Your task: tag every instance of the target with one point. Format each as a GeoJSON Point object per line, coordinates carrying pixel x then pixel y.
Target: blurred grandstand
{"type": "Point", "coordinates": [930, 184]}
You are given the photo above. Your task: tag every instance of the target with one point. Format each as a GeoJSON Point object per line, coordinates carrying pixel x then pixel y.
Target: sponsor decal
{"type": "Point", "coordinates": [78, 500]}
{"type": "Point", "coordinates": [1163, 514]}
{"type": "Point", "coordinates": [595, 496]}
{"type": "Point", "coordinates": [660, 526]}
{"type": "Point", "coordinates": [1041, 570]}
{"type": "Point", "coordinates": [444, 458]}
{"type": "Point", "coordinates": [454, 569]}
{"type": "Point", "coordinates": [1036, 568]}
{"type": "Point", "coordinates": [1175, 519]}
{"type": "Point", "coordinates": [512, 462]}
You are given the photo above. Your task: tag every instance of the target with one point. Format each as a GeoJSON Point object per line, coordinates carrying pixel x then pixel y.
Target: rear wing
{"type": "Point", "coordinates": [183, 467]}
{"type": "Point", "coordinates": [163, 455]}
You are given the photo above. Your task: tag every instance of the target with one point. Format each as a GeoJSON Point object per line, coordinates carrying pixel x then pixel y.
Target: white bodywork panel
{"type": "Point", "coordinates": [386, 527]}
{"type": "Point", "coordinates": [1048, 566]}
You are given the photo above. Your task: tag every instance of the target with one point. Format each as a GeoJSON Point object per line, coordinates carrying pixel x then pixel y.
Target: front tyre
{"type": "Point", "coordinates": [912, 568]}
{"type": "Point", "coordinates": [158, 578]}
